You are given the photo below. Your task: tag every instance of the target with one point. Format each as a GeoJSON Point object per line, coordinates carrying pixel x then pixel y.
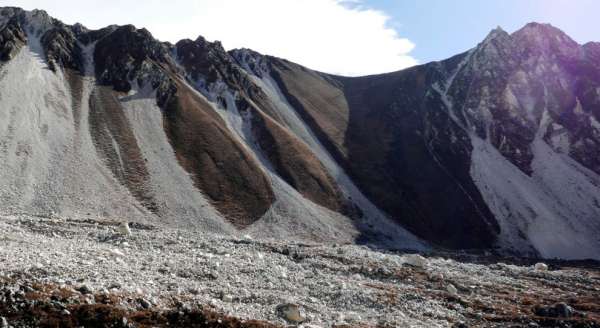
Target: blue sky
{"type": "Point", "coordinates": [347, 37]}
{"type": "Point", "coordinates": [442, 28]}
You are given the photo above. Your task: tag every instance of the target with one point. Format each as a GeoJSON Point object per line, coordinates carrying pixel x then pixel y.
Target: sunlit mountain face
{"type": "Point", "coordinates": [497, 148]}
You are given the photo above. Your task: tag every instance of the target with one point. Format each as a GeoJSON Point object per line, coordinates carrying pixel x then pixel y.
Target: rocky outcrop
{"type": "Point", "coordinates": [62, 48]}
{"type": "Point", "coordinates": [12, 38]}
{"type": "Point", "coordinates": [128, 55]}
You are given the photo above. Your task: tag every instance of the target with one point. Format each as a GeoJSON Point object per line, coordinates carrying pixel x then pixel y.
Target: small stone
{"type": "Point", "coordinates": [451, 289]}
{"type": "Point", "coordinates": [290, 312]}
{"type": "Point", "coordinates": [3, 322]}
{"type": "Point", "coordinates": [124, 229]}
{"type": "Point", "coordinates": [65, 312]}
{"type": "Point", "coordinates": [540, 267]}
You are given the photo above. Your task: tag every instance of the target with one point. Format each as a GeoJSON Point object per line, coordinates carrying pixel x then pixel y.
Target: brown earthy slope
{"type": "Point", "coordinates": [220, 165]}
{"type": "Point", "coordinates": [116, 144]}
{"type": "Point", "coordinates": [320, 101]}
{"type": "Point", "coordinates": [293, 161]}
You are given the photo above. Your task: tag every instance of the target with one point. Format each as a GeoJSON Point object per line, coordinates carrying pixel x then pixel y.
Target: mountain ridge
{"type": "Point", "coordinates": [495, 148]}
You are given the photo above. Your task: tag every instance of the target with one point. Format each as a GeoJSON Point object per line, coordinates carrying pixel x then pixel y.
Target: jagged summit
{"type": "Point", "coordinates": [540, 28]}
{"type": "Point", "coordinates": [498, 31]}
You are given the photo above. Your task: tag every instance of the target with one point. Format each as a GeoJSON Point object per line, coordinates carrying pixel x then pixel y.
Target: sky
{"type": "Point", "coordinates": [346, 37]}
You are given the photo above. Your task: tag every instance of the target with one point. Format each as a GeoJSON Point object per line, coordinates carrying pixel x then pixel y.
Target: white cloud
{"type": "Point", "coordinates": [335, 36]}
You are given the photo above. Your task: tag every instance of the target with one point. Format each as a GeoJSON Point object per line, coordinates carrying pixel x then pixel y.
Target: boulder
{"type": "Point", "coordinates": [540, 267]}
{"type": "Point", "coordinates": [415, 260]}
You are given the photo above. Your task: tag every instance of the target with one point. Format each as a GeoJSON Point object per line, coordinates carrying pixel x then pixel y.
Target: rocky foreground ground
{"type": "Point", "coordinates": [72, 273]}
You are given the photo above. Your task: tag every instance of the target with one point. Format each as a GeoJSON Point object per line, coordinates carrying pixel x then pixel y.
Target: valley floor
{"type": "Point", "coordinates": [70, 273]}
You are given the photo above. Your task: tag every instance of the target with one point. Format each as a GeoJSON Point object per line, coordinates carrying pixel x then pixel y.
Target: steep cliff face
{"type": "Point", "coordinates": [498, 147]}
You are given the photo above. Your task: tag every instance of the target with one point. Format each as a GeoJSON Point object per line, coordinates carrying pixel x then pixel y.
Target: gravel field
{"type": "Point", "coordinates": [54, 269]}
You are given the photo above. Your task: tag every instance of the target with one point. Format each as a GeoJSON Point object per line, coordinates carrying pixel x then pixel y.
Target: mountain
{"type": "Point", "coordinates": [497, 148]}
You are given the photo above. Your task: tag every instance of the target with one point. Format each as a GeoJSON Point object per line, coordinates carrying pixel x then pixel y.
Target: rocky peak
{"type": "Point", "coordinates": [127, 54]}
{"type": "Point", "coordinates": [207, 62]}
{"type": "Point", "coordinates": [545, 39]}
{"type": "Point", "coordinates": [12, 37]}
{"type": "Point", "coordinates": [6, 13]}
{"type": "Point", "coordinates": [494, 51]}
{"type": "Point", "coordinates": [494, 34]}
{"type": "Point", "coordinates": [592, 51]}
{"type": "Point", "coordinates": [79, 28]}
{"type": "Point", "coordinates": [215, 45]}
{"type": "Point", "coordinates": [61, 48]}
{"type": "Point", "coordinates": [539, 30]}
{"type": "Point", "coordinates": [34, 22]}
{"type": "Point", "coordinates": [252, 61]}
{"type": "Point", "coordinates": [86, 36]}
{"type": "Point", "coordinates": [203, 59]}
